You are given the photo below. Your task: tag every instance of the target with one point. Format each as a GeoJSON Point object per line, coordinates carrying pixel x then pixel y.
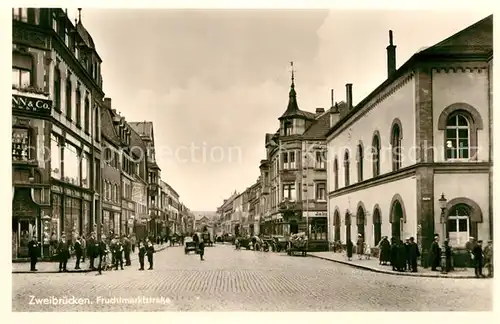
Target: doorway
{"type": "Point", "coordinates": [294, 227]}
{"type": "Point", "coordinates": [23, 230]}
{"type": "Point", "coordinates": [397, 221]}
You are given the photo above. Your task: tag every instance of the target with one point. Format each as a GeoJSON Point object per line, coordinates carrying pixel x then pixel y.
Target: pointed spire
{"type": "Point", "coordinates": [292, 86]}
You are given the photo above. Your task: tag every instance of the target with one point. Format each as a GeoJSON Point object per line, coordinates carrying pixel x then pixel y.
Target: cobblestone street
{"type": "Point", "coordinates": [231, 280]}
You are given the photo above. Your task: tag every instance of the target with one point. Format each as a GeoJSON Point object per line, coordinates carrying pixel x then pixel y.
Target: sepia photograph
{"type": "Point", "coordinates": [256, 160]}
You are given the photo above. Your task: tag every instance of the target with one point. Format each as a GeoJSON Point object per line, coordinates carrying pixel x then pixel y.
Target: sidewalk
{"type": "Point", "coordinates": [373, 265]}
{"type": "Point", "coordinates": [53, 267]}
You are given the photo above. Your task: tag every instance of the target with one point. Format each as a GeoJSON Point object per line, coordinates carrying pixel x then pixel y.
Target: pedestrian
{"type": "Point", "coordinates": [401, 256]}
{"type": "Point", "coordinates": [394, 254]}
{"type": "Point", "coordinates": [126, 250]}
{"type": "Point", "coordinates": [359, 246]}
{"type": "Point", "coordinates": [488, 258]}
{"type": "Point", "coordinates": [407, 261]}
{"type": "Point", "coordinates": [92, 250]}
{"type": "Point", "coordinates": [117, 249]}
{"type": "Point", "coordinates": [447, 256]}
{"type": "Point", "coordinates": [150, 249]}
{"type": "Point", "coordinates": [201, 247]}
{"type": "Point", "coordinates": [142, 252]}
{"type": "Point", "coordinates": [435, 254]}
{"type": "Point", "coordinates": [349, 247]}
{"type": "Point", "coordinates": [63, 254]}
{"type": "Point", "coordinates": [469, 246]}
{"type": "Point", "coordinates": [385, 251]}
{"type": "Point", "coordinates": [133, 242]}
{"type": "Point", "coordinates": [101, 251]}
{"type": "Point", "coordinates": [78, 252]}
{"type": "Point", "coordinates": [84, 247]}
{"type": "Point", "coordinates": [368, 251]}
{"type": "Point", "coordinates": [477, 256]}
{"type": "Point", "coordinates": [33, 248]}
{"type": "Point", "coordinates": [413, 254]}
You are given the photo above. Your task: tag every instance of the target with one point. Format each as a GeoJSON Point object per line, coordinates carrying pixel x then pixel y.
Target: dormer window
{"type": "Point", "coordinates": [287, 128]}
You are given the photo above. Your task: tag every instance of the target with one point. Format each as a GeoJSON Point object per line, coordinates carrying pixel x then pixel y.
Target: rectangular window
{"type": "Point", "coordinates": [321, 191]}
{"type": "Point", "coordinates": [78, 107]}
{"type": "Point", "coordinates": [97, 175]}
{"type": "Point", "coordinates": [20, 14]}
{"type": "Point", "coordinates": [55, 23]}
{"type": "Point", "coordinates": [21, 78]}
{"type": "Point", "coordinates": [320, 160]}
{"type": "Point", "coordinates": [55, 157]}
{"type": "Point", "coordinates": [87, 116]}
{"type": "Point", "coordinates": [20, 144]}
{"type": "Point", "coordinates": [85, 170]}
{"type": "Point", "coordinates": [68, 99]}
{"type": "Point", "coordinates": [71, 165]}
{"type": "Point", "coordinates": [57, 90]}
{"type": "Point", "coordinates": [285, 160]}
{"type": "Point", "coordinates": [289, 191]}
{"type": "Point", "coordinates": [291, 158]}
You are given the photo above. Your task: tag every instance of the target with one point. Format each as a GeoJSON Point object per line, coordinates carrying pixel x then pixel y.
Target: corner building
{"type": "Point", "coordinates": [56, 148]}
{"type": "Point", "coordinates": [424, 132]}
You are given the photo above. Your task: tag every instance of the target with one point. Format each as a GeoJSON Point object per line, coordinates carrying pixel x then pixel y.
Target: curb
{"type": "Point", "coordinates": [391, 272]}
{"type": "Point", "coordinates": [70, 271]}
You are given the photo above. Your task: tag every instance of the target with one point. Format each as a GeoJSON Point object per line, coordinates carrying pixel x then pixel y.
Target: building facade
{"type": "Point", "coordinates": [145, 131]}
{"type": "Point", "coordinates": [57, 97]}
{"type": "Point", "coordinates": [111, 173]}
{"type": "Point", "coordinates": [294, 172]}
{"type": "Point", "coordinates": [422, 136]}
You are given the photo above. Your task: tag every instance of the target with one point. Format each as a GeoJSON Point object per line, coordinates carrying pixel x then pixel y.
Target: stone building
{"type": "Point", "coordinates": [424, 134]}
{"type": "Point", "coordinates": [294, 175]}
{"type": "Point", "coordinates": [56, 143]}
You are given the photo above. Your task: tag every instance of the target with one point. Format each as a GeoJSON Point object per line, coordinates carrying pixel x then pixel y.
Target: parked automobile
{"type": "Point", "coordinates": [243, 242]}
{"type": "Point", "coordinates": [189, 245]}
{"type": "Point", "coordinates": [229, 238]}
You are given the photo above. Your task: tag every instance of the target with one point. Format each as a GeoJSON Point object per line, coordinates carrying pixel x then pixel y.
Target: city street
{"type": "Point", "coordinates": [231, 280]}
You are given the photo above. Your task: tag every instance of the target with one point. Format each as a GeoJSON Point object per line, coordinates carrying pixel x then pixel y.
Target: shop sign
{"type": "Point", "coordinates": [315, 214]}
{"type": "Point", "coordinates": [35, 105]}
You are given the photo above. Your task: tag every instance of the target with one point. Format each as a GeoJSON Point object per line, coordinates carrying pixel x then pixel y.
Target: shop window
{"type": "Point", "coordinates": [20, 144]}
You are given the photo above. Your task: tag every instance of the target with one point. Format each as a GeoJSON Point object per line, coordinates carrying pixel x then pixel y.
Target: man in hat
{"type": "Point", "coordinates": [117, 249]}
{"type": "Point", "coordinates": [469, 246]}
{"type": "Point", "coordinates": [33, 248]}
{"type": "Point", "coordinates": [477, 255]}
{"type": "Point", "coordinates": [488, 258]}
{"type": "Point", "coordinates": [413, 254]}
{"type": "Point", "coordinates": [360, 246]}
{"type": "Point", "coordinates": [63, 253]}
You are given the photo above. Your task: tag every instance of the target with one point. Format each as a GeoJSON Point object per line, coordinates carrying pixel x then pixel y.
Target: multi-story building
{"type": "Point", "coordinates": [414, 158]}
{"type": "Point", "coordinates": [254, 208]}
{"type": "Point", "coordinates": [56, 100]}
{"type": "Point", "coordinates": [165, 217]}
{"type": "Point", "coordinates": [237, 216]}
{"type": "Point", "coordinates": [139, 185]}
{"type": "Point", "coordinates": [145, 130]}
{"type": "Point", "coordinates": [226, 211]}
{"type": "Point", "coordinates": [296, 166]}
{"type": "Point", "coordinates": [111, 172]}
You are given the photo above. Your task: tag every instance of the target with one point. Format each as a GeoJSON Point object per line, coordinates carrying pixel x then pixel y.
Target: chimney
{"type": "Point", "coordinates": [348, 96]}
{"type": "Point", "coordinates": [107, 102]}
{"type": "Point", "coordinates": [391, 56]}
{"type": "Point", "coordinates": [334, 112]}
{"type": "Point", "coordinates": [320, 110]}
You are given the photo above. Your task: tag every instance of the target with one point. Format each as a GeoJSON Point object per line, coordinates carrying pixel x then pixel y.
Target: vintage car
{"type": "Point", "coordinates": [189, 245]}
{"type": "Point", "coordinates": [243, 242]}
{"type": "Point", "coordinates": [279, 243]}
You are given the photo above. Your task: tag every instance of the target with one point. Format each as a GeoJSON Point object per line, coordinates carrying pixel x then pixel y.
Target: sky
{"type": "Point", "coordinates": [215, 81]}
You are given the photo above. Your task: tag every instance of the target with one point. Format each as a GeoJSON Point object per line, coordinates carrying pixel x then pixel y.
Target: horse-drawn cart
{"type": "Point", "coordinates": [297, 244]}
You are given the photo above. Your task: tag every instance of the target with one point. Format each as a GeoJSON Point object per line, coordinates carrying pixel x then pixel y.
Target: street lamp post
{"type": "Point", "coordinates": [442, 204]}
{"type": "Point", "coordinates": [45, 234]}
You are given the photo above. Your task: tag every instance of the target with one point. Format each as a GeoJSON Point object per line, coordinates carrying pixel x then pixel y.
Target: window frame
{"type": "Point", "coordinates": [359, 161]}
{"type": "Point", "coordinates": [69, 97]}
{"type": "Point", "coordinates": [27, 148]}
{"type": "Point", "coordinates": [318, 187]}
{"type": "Point", "coordinates": [376, 155]}
{"type": "Point", "coordinates": [346, 168]}
{"type": "Point", "coordinates": [289, 187]}
{"type": "Point", "coordinates": [336, 173]}
{"type": "Point", "coordinates": [456, 128]}
{"type": "Point", "coordinates": [396, 143]}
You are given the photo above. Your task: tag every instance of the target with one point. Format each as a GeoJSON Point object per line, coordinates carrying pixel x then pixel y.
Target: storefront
{"type": "Point", "coordinates": [127, 217]}
{"type": "Point", "coordinates": [71, 213]}
{"type": "Point", "coordinates": [110, 219]}
{"type": "Point", "coordinates": [25, 220]}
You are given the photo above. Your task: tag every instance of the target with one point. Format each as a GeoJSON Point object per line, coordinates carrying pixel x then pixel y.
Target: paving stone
{"type": "Point", "coordinates": [231, 280]}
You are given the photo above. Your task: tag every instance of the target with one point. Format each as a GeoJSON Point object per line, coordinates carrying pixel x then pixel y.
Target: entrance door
{"type": "Point", "coordinates": [397, 221]}
{"type": "Point", "coordinates": [23, 231]}
{"type": "Point", "coordinates": [294, 227]}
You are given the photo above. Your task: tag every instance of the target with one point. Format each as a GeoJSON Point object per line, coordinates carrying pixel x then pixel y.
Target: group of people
{"type": "Point", "coordinates": [479, 257]}
{"type": "Point", "coordinates": [109, 252]}
{"type": "Point", "coordinates": [403, 256]}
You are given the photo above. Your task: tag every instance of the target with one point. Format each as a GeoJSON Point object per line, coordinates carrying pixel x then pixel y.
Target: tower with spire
{"type": "Point", "coordinates": [294, 121]}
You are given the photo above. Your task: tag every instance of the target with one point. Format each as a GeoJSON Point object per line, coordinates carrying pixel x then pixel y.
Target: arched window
{"type": "Point", "coordinates": [346, 168]}
{"type": "Point", "coordinates": [396, 147]}
{"type": "Point", "coordinates": [336, 173]}
{"type": "Point", "coordinates": [457, 137]}
{"type": "Point", "coordinates": [336, 223]}
{"type": "Point", "coordinates": [360, 157]}
{"type": "Point", "coordinates": [360, 221]}
{"type": "Point", "coordinates": [347, 226]}
{"type": "Point", "coordinates": [377, 226]}
{"type": "Point", "coordinates": [68, 99]}
{"type": "Point", "coordinates": [57, 89]}
{"type": "Point", "coordinates": [459, 227]}
{"type": "Point", "coordinates": [376, 155]}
